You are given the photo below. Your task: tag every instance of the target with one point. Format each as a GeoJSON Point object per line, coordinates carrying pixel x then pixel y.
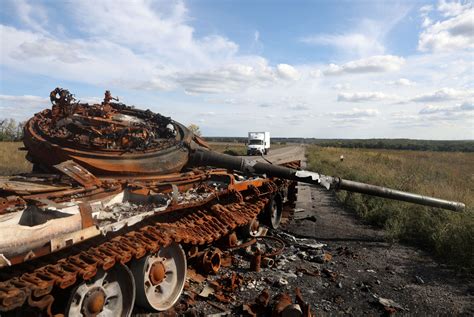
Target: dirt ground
{"type": "Point", "coordinates": [372, 267]}
{"type": "Point", "coordinates": [342, 267]}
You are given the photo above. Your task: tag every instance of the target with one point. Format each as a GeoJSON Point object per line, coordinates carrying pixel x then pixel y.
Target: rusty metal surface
{"type": "Point", "coordinates": [194, 226]}
{"type": "Point", "coordinates": [78, 173]}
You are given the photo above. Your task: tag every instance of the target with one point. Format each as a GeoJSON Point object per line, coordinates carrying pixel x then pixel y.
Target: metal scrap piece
{"type": "Point", "coordinates": [78, 173]}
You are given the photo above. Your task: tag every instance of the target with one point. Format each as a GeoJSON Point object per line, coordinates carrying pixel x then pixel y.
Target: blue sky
{"type": "Point", "coordinates": [326, 69]}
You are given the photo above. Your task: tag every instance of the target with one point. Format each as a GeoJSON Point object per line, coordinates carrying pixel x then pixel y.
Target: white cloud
{"type": "Point", "coordinates": [298, 107]}
{"type": "Point", "coordinates": [361, 44]}
{"type": "Point", "coordinates": [344, 86]}
{"type": "Point", "coordinates": [257, 45]}
{"type": "Point", "coordinates": [288, 72]}
{"type": "Point", "coordinates": [401, 82]}
{"type": "Point", "coordinates": [407, 120]}
{"type": "Point", "coordinates": [467, 106]}
{"type": "Point", "coordinates": [437, 116]}
{"type": "Point", "coordinates": [455, 32]}
{"type": "Point", "coordinates": [32, 15]}
{"type": "Point", "coordinates": [21, 107]}
{"type": "Point", "coordinates": [426, 8]}
{"type": "Point", "coordinates": [136, 46]}
{"type": "Point", "coordinates": [228, 78]}
{"type": "Point", "coordinates": [315, 73]}
{"type": "Point", "coordinates": [157, 28]}
{"type": "Point", "coordinates": [140, 45]}
{"type": "Point", "coordinates": [356, 113]}
{"type": "Point", "coordinates": [256, 36]}
{"type": "Point", "coordinates": [426, 22]}
{"type": "Point", "coordinates": [374, 64]}
{"type": "Point", "coordinates": [464, 107]}
{"type": "Point", "coordinates": [453, 8]}
{"type": "Point", "coordinates": [366, 37]}
{"type": "Point", "coordinates": [444, 94]}
{"type": "Point", "coordinates": [235, 77]}
{"type": "Point", "coordinates": [208, 114]}
{"type": "Point", "coordinates": [363, 96]}
{"type": "Point", "coordinates": [353, 118]}
{"type": "Point", "coordinates": [46, 48]}
{"type": "Point", "coordinates": [25, 99]}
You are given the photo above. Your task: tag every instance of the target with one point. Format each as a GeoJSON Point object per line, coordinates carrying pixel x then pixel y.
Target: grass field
{"type": "Point", "coordinates": [229, 148]}
{"type": "Point", "coordinates": [12, 160]}
{"type": "Point", "coordinates": [448, 235]}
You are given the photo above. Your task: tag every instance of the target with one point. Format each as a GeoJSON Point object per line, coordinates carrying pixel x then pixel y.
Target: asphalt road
{"type": "Point", "coordinates": [281, 155]}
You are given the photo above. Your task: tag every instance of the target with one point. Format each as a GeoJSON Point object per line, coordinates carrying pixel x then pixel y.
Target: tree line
{"type": "Point", "coordinates": [11, 130]}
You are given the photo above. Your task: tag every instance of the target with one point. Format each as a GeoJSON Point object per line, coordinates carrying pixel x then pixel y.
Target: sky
{"type": "Point", "coordinates": [323, 69]}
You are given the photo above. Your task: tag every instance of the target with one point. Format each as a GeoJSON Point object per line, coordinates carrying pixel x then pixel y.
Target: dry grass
{"type": "Point", "coordinates": [229, 148]}
{"type": "Point", "coordinates": [448, 235]}
{"type": "Point", "coordinates": [12, 160]}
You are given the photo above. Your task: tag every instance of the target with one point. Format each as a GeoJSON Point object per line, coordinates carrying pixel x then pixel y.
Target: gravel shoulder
{"type": "Point", "coordinates": [368, 267]}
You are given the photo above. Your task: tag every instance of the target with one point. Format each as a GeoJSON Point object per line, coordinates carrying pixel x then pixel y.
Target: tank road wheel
{"type": "Point", "coordinates": [160, 277]}
{"type": "Point", "coordinates": [251, 229]}
{"type": "Point", "coordinates": [273, 211]}
{"type": "Point", "coordinates": [110, 293]}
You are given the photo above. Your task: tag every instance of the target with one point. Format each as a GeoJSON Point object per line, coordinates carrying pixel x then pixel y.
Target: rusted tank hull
{"type": "Point", "coordinates": [198, 215]}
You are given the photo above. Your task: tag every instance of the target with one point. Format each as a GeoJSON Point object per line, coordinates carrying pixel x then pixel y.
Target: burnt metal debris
{"type": "Point", "coordinates": [121, 199]}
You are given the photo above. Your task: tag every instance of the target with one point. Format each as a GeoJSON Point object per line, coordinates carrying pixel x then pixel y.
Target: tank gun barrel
{"type": "Point", "coordinates": [399, 195]}
{"type": "Point", "coordinates": [201, 157]}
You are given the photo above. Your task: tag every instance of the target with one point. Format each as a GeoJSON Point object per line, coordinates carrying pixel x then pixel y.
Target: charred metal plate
{"type": "Point", "coordinates": [78, 173]}
{"type": "Point", "coordinates": [26, 186]}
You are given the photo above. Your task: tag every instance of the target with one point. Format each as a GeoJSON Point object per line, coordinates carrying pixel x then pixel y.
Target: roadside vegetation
{"type": "Point", "coordinates": [448, 235]}
{"type": "Point", "coordinates": [229, 148]}
{"type": "Point", "coordinates": [12, 159]}
{"type": "Point", "coordinates": [11, 130]}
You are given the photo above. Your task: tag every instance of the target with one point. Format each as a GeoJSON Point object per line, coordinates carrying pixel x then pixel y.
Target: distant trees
{"type": "Point", "coordinates": [11, 130]}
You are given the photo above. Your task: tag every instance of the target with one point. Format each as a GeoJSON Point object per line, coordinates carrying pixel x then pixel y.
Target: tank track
{"type": "Point", "coordinates": [201, 224]}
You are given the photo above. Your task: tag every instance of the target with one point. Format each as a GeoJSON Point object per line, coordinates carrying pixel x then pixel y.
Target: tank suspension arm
{"type": "Point", "coordinates": [199, 157]}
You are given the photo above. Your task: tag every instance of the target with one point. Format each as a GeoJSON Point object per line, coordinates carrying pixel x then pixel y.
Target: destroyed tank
{"type": "Point", "coordinates": [120, 199]}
